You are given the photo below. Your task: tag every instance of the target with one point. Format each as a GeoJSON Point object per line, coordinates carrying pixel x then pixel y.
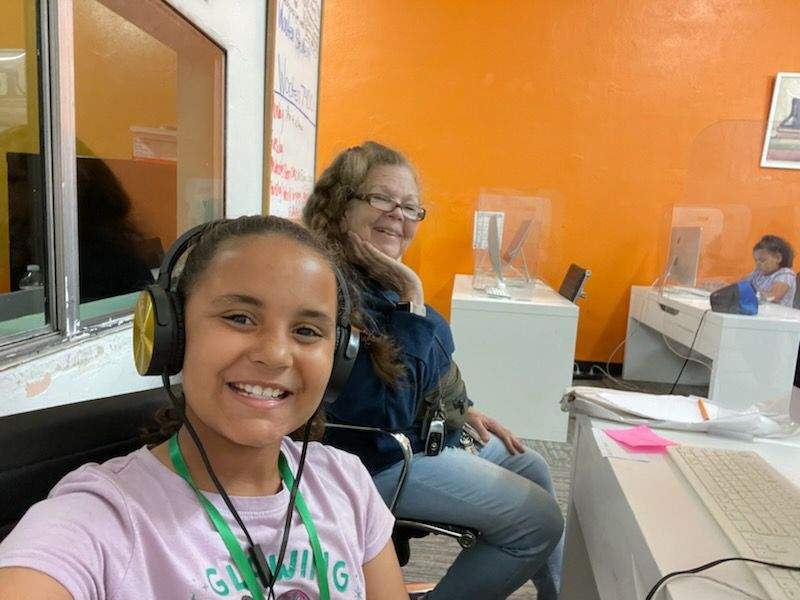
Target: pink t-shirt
{"type": "Point", "coordinates": [131, 529]}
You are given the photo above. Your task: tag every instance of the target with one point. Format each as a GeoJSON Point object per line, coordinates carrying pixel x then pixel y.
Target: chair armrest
{"type": "Point", "coordinates": [405, 446]}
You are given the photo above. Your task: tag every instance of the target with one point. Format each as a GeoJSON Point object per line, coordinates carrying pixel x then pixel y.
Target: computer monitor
{"type": "Point", "coordinates": [517, 241]}
{"type": "Point", "coordinates": [572, 286]}
{"type": "Point", "coordinates": [684, 256]}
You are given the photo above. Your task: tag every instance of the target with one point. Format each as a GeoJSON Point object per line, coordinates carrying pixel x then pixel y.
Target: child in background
{"type": "Point", "coordinates": [773, 277]}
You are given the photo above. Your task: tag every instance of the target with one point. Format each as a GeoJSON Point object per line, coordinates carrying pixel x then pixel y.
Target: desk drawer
{"type": "Point", "coordinates": [679, 324]}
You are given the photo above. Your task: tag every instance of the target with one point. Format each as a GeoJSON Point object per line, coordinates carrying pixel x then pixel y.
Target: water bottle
{"type": "Point", "coordinates": [32, 279]}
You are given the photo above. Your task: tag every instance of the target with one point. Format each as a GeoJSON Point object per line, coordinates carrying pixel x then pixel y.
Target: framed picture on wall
{"type": "Point", "coordinates": [782, 139]}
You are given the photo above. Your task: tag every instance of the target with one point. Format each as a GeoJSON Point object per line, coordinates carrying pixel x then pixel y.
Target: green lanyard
{"type": "Point", "coordinates": [232, 544]}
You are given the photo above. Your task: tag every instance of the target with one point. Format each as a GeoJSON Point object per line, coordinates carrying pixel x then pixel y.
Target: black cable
{"type": "Point", "coordinates": [271, 577]}
{"type": "Point", "coordinates": [714, 563]}
{"type": "Point", "coordinates": [691, 347]}
{"type": "Point", "coordinates": [207, 462]}
{"type": "Point", "coordinates": [290, 510]}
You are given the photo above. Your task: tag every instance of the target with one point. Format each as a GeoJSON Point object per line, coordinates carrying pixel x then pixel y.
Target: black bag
{"type": "Point", "coordinates": [447, 398]}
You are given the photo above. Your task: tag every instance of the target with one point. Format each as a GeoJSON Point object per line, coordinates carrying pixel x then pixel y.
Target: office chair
{"type": "Point", "coordinates": [41, 446]}
{"type": "Point", "coordinates": [405, 529]}
{"type": "Point", "coordinates": [796, 303]}
{"type": "Point", "coordinates": [794, 405]}
{"type": "Point", "coordinates": [572, 286]}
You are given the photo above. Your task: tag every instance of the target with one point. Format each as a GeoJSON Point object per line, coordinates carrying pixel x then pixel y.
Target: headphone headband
{"type": "Point", "coordinates": [177, 249]}
{"type": "Point", "coordinates": [341, 284]}
{"type": "Point", "coordinates": [181, 245]}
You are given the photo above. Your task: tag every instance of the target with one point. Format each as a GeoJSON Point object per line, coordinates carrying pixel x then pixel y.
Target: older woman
{"type": "Point", "coordinates": [368, 203]}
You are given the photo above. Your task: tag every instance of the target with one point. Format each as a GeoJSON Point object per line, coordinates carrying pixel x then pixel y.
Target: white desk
{"type": "Point", "coordinates": [752, 357]}
{"type": "Point", "coordinates": [630, 523]}
{"type": "Point", "coordinates": [516, 355]}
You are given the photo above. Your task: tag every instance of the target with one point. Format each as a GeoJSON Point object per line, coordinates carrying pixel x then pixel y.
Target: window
{"type": "Point", "coordinates": [98, 178]}
{"type": "Point", "coordinates": [148, 124]}
{"type": "Point", "coordinates": [23, 219]}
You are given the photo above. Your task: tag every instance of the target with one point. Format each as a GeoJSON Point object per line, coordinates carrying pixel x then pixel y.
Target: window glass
{"type": "Point", "coordinates": [149, 109]}
{"type": "Point", "coordinates": [23, 242]}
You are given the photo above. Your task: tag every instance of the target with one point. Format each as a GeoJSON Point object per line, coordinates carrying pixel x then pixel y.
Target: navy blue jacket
{"type": "Point", "coordinates": [426, 349]}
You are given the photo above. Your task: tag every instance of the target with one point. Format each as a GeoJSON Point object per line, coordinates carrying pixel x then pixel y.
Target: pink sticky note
{"type": "Point", "coordinates": [639, 439]}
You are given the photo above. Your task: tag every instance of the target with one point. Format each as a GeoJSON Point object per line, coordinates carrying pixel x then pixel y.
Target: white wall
{"type": "Point", "coordinates": [103, 366]}
{"type": "Point", "coordinates": [238, 26]}
{"type": "Point", "coordinates": [93, 368]}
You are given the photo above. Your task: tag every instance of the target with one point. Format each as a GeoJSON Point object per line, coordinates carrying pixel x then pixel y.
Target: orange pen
{"type": "Point", "coordinates": [702, 406]}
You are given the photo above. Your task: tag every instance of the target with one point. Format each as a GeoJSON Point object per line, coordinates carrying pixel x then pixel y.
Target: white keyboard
{"type": "Point", "coordinates": [756, 507]}
{"type": "Point", "coordinates": [497, 292]}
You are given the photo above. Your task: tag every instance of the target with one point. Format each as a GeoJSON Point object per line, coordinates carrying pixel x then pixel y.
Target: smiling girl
{"type": "Point", "coordinates": [261, 304]}
{"type": "Point", "coordinates": [773, 277]}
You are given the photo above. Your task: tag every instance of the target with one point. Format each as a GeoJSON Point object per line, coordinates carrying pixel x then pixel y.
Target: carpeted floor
{"type": "Point", "coordinates": [431, 556]}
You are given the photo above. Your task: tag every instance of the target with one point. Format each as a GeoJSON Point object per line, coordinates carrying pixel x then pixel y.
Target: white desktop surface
{"type": "Point", "coordinates": [516, 355]}
{"type": "Point", "coordinates": [752, 358]}
{"type": "Point", "coordinates": [630, 523]}
{"type": "Point", "coordinates": [770, 315]}
{"type": "Point", "coordinates": [541, 299]}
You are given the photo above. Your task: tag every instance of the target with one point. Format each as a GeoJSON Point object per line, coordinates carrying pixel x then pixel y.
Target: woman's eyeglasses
{"type": "Point", "coordinates": [412, 212]}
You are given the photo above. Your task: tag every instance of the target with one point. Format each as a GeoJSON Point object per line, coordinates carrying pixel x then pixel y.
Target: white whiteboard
{"type": "Point", "coordinates": [295, 80]}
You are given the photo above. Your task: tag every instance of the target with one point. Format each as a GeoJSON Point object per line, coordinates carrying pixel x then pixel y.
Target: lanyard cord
{"type": "Point", "coordinates": [198, 444]}
{"type": "Point", "coordinates": [235, 550]}
{"type": "Point", "coordinates": [257, 554]}
{"type": "Point", "coordinates": [320, 563]}
{"type": "Point", "coordinates": [231, 543]}
{"type": "Point", "coordinates": [294, 485]}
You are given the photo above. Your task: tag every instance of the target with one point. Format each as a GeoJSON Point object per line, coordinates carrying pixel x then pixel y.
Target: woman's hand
{"type": "Point", "coordinates": [484, 425]}
{"type": "Point", "coordinates": [387, 270]}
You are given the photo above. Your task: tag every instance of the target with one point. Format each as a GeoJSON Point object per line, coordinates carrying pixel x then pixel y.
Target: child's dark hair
{"type": "Point", "coordinates": [775, 244]}
{"type": "Point", "coordinates": [198, 258]}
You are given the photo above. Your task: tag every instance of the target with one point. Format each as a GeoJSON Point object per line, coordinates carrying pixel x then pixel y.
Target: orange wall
{"type": "Point", "coordinates": [151, 187]}
{"type": "Point", "coordinates": [123, 77]}
{"type": "Point", "coordinates": [618, 109]}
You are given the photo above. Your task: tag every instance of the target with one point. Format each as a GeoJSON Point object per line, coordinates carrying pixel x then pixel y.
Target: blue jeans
{"type": "Point", "coordinates": [508, 498]}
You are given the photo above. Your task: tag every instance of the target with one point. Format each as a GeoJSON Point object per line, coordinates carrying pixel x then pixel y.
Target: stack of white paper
{"type": "Point", "coordinates": [666, 411]}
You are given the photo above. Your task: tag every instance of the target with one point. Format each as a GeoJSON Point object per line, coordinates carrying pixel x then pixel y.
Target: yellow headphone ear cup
{"type": "Point", "coordinates": [144, 331]}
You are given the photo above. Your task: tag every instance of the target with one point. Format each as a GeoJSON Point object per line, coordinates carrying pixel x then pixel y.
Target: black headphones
{"type": "Point", "coordinates": [158, 323]}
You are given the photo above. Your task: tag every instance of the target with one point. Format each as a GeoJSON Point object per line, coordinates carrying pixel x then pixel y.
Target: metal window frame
{"type": "Point", "coordinates": [58, 149]}
{"type": "Point", "coordinates": [57, 107]}
{"type": "Point", "coordinates": [112, 321]}
{"type": "Point", "coordinates": [64, 179]}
